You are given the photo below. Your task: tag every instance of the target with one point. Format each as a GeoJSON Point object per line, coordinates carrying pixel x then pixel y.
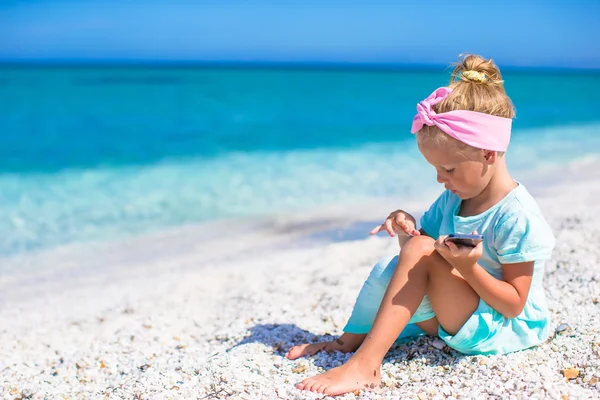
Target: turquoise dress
{"type": "Point", "coordinates": [514, 231]}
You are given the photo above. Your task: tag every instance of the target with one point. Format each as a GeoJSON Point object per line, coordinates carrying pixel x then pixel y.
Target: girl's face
{"type": "Point", "coordinates": [466, 174]}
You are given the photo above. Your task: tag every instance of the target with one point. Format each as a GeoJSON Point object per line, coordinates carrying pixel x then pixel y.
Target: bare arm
{"type": "Point", "coordinates": [507, 296]}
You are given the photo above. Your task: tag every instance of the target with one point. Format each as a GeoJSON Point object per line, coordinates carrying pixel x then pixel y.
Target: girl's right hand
{"type": "Point", "coordinates": [398, 222]}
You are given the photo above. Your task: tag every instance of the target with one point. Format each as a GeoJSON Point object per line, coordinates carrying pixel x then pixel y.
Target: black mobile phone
{"type": "Point", "coordinates": [460, 239]}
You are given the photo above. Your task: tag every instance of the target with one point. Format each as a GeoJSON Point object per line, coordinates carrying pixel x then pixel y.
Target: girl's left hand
{"type": "Point", "coordinates": [460, 257]}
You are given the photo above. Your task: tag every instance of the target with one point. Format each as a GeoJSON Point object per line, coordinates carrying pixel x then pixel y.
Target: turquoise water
{"type": "Point", "coordinates": [91, 154]}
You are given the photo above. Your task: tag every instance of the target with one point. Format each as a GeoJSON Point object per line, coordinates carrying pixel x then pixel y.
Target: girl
{"type": "Point", "coordinates": [487, 299]}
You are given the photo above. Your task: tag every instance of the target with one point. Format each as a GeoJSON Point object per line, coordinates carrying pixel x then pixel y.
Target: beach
{"type": "Point", "coordinates": [209, 311]}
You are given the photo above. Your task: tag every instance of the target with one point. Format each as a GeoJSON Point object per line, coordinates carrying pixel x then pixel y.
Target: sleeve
{"type": "Point", "coordinates": [523, 236]}
{"type": "Point", "coordinates": [432, 219]}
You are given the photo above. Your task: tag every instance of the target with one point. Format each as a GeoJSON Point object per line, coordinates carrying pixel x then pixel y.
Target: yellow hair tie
{"type": "Point", "coordinates": [475, 76]}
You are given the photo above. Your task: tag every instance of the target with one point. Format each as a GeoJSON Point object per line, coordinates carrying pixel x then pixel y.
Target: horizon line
{"type": "Point", "coordinates": [141, 63]}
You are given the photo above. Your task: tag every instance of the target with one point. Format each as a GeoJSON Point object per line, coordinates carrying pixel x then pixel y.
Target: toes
{"type": "Point", "coordinates": [291, 354]}
{"type": "Point", "coordinates": [320, 388]}
{"type": "Point", "coordinates": [302, 385]}
{"type": "Point", "coordinates": [305, 384]}
{"type": "Point", "coordinates": [312, 385]}
{"type": "Point", "coordinates": [295, 352]}
{"type": "Point", "coordinates": [304, 350]}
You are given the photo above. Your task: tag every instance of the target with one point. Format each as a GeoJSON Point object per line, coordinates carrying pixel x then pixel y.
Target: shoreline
{"type": "Point", "coordinates": [225, 239]}
{"type": "Point", "coordinates": [215, 242]}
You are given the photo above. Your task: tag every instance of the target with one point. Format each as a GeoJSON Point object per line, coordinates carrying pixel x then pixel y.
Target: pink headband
{"type": "Point", "coordinates": [483, 131]}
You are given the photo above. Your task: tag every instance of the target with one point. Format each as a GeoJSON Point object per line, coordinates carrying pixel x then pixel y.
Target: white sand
{"type": "Point", "coordinates": [185, 315]}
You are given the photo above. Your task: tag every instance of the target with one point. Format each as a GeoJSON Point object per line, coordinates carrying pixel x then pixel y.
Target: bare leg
{"type": "Point", "coordinates": [430, 326]}
{"type": "Point", "coordinates": [420, 271]}
{"type": "Point", "coordinates": [347, 343]}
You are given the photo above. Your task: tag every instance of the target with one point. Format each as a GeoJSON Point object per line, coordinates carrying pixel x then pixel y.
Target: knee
{"type": "Point", "coordinates": [418, 246]}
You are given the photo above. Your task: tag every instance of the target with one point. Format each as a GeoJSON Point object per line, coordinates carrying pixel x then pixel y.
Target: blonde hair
{"type": "Point", "coordinates": [477, 85]}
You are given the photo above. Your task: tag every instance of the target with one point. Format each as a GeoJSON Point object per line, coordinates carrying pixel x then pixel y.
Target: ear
{"type": "Point", "coordinates": [490, 157]}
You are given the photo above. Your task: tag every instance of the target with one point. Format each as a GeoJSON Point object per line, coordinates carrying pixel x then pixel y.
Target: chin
{"type": "Point", "coordinates": [463, 195]}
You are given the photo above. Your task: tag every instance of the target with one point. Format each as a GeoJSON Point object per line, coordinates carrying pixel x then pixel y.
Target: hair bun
{"type": "Point", "coordinates": [472, 68]}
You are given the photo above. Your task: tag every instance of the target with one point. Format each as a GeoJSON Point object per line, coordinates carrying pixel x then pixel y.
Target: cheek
{"type": "Point", "coordinates": [470, 178]}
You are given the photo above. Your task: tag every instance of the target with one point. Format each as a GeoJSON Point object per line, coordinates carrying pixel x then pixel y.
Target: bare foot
{"type": "Point", "coordinates": [304, 350]}
{"type": "Point", "coordinates": [350, 377]}
{"type": "Point", "coordinates": [346, 343]}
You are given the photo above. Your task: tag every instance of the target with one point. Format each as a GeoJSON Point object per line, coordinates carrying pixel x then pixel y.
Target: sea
{"type": "Point", "coordinates": [92, 154]}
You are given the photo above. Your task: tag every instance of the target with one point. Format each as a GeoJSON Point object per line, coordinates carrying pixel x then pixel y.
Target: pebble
{"type": "Point", "coordinates": [570, 373]}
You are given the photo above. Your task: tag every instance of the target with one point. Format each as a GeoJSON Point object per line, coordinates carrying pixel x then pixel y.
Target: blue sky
{"type": "Point", "coordinates": [528, 33]}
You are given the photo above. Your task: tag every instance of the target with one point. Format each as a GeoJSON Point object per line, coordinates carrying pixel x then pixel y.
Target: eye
{"type": "Point", "coordinates": [449, 171]}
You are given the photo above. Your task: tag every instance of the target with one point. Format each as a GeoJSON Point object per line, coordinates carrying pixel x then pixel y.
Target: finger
{"type": "Point", "coordinates": [377, 229]}
{"type": "Point", "coordinates": [475, 232]}
{"type": "Point", "coordinates": [453, 248]}
{"type": "Point", "coordinates": [415, 232]}
{"type": "Point", "coordinates": [388, 227]}
{"type": "Point", "coordinates": [404, 226]}
{"type": "Point", "coordinates": [400, 218]}
{"type": "Point", "coordinates": [439, 244]}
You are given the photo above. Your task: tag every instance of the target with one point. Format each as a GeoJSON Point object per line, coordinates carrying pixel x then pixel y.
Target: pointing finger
{"type": "Point", "coordinates": [376, 230]}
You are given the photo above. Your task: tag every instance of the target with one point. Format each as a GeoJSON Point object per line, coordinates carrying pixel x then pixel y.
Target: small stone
{"type": "Point", "coordinates": [565, 397]}
{"type": "Point", "coordinates": [298, 369]}
{"type": "Point", "coordinates": [563, 328]}
{"type": "Point", "coordinates": [438, 344]}
{"type": "Point", "coordinates": [570, 373]}
{"type": "Point", "coordinates": [594, 380]}
{"type": "Point", "coordinates": [422, 396]}
{"type": "Point", "coordinates": [483, 361]}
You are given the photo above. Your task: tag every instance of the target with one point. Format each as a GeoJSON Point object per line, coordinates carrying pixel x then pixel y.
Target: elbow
{"type": "Point", "coordinates": [513, 312]}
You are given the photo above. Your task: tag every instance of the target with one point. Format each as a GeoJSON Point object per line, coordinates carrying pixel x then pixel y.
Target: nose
{"type": "Point", "coordinates": [441, 178]}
